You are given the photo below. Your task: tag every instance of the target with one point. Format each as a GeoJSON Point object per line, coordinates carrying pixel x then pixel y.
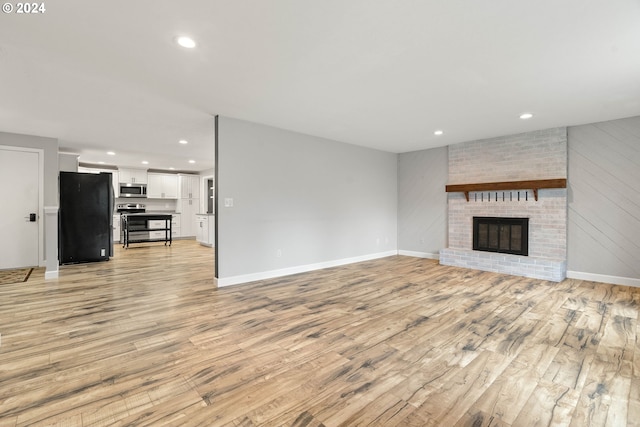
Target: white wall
{"type": "Point", "coordinates": [67, 162]}
{"type": "Point", "coordinates": [604, 201]}
{"type": "Point", "coordinates": [422, 202]}
{"type": "Point", "coordinates": [313, 201]}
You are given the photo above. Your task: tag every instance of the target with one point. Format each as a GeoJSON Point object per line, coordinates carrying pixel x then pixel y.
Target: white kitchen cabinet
{"type": "Point", "coordinates": [154, 186]}
{"type": "Point", "coordinates": [189, 203]}
{"type": "Point", "coordinates": [132, 176]}
{"type": "Point", "coordinates": [162, 186]}
{"type": "Point", "coordinates": [188, 209]}
{"type": "Point", "coordinates": [116, 228]}
{"type": "Point", "coordinates": [205, 230]}
{"type": "Point", "coordinates": [202, 227]}
{"type": "Point", "coordinates": [176, 226]}
{"type": "Point", "coordinates": [189, 186]}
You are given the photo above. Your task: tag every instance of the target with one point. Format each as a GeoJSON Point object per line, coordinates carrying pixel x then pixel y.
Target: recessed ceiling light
{"type": "Point", "coordinates": [101, 163]}
{"type": "Point", "coordinates": [185, 41]}
{"type": "Point", "coordinates": [172, 168]}
{"type": "Point", "coordinates": [525, 116]}
{"type": "Point", "coordinates": [183, 141]}
{"type": "Point", "coordinates": [144, 162]}
{"type": "Point", "coordinates": [111, 153]}
{"type": "Point", "coordinates": [192, 161]}
{"type": "Point", "coordinates": [438, 132]}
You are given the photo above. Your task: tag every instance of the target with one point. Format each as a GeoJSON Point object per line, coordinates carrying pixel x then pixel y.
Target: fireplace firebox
{"type": "Point", "coordinates": [503, 235]}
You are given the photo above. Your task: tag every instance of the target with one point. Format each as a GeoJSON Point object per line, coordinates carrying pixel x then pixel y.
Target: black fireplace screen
{"type": "Point", "coordinates": [504, 235]}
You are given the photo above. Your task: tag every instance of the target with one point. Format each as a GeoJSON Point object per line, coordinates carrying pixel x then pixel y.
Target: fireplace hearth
{"type": "Point", "coordinates": [502, 235]}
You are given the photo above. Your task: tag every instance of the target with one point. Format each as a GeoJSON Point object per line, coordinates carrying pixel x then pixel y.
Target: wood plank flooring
{"type": "Point", "coordinates": [145, 339]}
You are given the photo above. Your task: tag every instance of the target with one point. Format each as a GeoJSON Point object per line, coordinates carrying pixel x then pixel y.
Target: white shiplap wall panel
{"type": "Point", "coordinates": [422, 202]}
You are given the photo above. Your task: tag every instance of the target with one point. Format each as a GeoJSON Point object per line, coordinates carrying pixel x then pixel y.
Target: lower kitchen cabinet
{"type": "Point", "coordinates": [116, 228]}
{"type": "Point", "coordinates": [188, 208]}
{"type": "Point", "coordinates": [176, 226]}
{"type": "Point", "coordinates": [205, 230]}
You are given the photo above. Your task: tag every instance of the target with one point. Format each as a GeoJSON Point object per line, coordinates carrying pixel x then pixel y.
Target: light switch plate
{"type": "Point", "coordinates": [228, 202]}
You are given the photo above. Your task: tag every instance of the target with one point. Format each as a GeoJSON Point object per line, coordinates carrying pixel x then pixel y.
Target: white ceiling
{"type": "Point", "coordinates": [385, 74]}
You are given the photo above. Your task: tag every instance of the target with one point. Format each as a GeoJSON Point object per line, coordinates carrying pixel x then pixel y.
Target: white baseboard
{"type": "Point", "coordinates": [244, 278]}
{"type": "Point", "coordinates": [419, 254]}
{"type": "Point", "coordinates": [604, 278]}
{"type": "Point", "coordinates": [51, 274]}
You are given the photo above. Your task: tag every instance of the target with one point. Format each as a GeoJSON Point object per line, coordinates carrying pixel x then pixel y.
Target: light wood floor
{"type": "Point", "coordinates": [145, 339]}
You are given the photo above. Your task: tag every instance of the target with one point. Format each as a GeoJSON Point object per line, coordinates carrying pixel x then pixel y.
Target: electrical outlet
{"type": "Point", "coordinates": [378, 241]}
{"type": "Point", "coordinates": [279, 253]}
{"type": "Point", "coordinates": [103, 252]}
{"type": "Point", "coordinates": [228, 202]}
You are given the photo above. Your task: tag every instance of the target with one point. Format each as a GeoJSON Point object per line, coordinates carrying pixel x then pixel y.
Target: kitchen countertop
{"type": "Point", "coordinates": [205, 214]}
{"type": "Point", "coordinates": [149, 215]}
{"type": "Point", "coordinates": [149, 212]}
{"type": "Point", "coordinates": [162, 212]}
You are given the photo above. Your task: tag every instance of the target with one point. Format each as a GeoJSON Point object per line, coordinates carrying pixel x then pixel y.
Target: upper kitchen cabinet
{"type": "Point", "coordinates": [133, 176]}
{"type": "Point", "coordinates": [162, 186]}
{"type": "Point", "coordinates": [189, 186]}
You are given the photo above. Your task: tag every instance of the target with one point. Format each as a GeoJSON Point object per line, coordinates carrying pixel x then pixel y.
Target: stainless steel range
{"type": "Point", "coordinates": [131, 208]}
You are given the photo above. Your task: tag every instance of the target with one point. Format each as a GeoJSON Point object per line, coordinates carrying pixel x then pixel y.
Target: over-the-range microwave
{"type": "Point", "coordinates": [133, 190]}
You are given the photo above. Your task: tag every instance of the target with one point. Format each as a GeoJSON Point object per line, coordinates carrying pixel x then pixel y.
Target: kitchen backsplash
{"type": "Point", "coordinates": [152, 205]}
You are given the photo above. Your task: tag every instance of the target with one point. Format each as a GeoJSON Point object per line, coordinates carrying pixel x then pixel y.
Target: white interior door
{"type": "Point", "coordinates": [19, 175]}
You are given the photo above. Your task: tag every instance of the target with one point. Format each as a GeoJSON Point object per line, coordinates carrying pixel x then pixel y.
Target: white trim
{"type": "Point", "coordinates": [51, 274]}
{"type": "Point", "coordinates": [204, 192]}
{"type": "Point", "coordinates": [604, 278]}
{"type": "Point", "coordinates": [236, 280]}
{"type": "Point", "coordinates": [419, 254]}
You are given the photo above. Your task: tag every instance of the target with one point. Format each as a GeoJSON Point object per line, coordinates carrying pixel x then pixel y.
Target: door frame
{"type": "Point", "coordinates": [40, 213]}
{"type": "Point", "coordinates": [204, 193]}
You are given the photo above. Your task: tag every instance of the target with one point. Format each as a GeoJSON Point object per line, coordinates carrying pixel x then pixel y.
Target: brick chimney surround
{"type": "Point", "coordinates": [539, 155]}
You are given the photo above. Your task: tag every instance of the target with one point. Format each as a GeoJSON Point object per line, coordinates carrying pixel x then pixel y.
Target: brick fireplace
{"type": "Point", "coordinates": [540, 155]}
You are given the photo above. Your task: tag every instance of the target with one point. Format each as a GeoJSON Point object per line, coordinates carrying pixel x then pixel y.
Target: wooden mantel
{"type": "Point", "coordinates": [534, 185]}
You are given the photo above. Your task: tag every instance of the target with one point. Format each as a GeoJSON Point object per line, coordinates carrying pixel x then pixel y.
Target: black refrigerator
{"type": "Point", "coordinates": [85, 217]}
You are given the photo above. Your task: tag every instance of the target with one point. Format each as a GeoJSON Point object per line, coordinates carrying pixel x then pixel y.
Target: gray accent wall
{"type": "Point", "coordinates": [422, 201]}
{"type": "Point", "coordinates": [299, 200]}
{"type": "Point", "coordinates": [604, 198]}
